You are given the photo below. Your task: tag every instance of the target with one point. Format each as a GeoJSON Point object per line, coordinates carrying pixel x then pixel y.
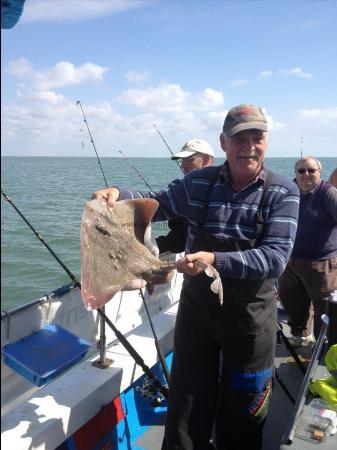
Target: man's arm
{"type": "Point", "coordinates": [331, 202]}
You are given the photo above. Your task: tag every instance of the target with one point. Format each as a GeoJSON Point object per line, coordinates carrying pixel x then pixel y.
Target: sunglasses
{"type": "Point", "coordinates": [311, 171]}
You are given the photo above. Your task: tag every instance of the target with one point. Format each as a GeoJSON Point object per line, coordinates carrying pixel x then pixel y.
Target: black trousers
{"type": "Point", "coordinates": [201, 397]}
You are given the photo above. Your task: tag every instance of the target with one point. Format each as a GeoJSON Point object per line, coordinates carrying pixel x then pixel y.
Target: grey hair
{"type": "Point", "coordinates": [309, 158]}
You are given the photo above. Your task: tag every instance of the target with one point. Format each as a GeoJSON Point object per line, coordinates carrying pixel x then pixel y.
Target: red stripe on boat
{"type": "Point", "coordinates": [86, 437]}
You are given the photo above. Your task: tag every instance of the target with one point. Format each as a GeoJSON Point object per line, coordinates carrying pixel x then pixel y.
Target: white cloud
{"type": "Point", "coordinates": [65, 74]}
{"type": "Point", "coordinates": [265, 73]}
{"type": "Point", "coordinates": [214, 121]}
{"type": "Point", "coordinates": [164, 98]}
{"type": "Point", "coordinates": [45, 112]}
{"type": "Point", "coordinates": [239, 82]}
{"type": "Point", "coordinates": [39, 86]}
{"type": "Point", "coordinates": [45, 97]}
{"type": "Point", "coordinates": [297, 72]}
{"type": "Point", "coordinates": [208, 98]}
{"type": "Point", "coordinates": [318, 114]}
{"type": "Point", "coordinates": [137, 76]}
{"type": "Point", "coordinates": [20, 67]}
{"type": "Point", "coordinates": [172, 98]}
{"type": "Point", "coordinates": [273, 124]}
{"type": "Point", "coordinates": [75, 10]}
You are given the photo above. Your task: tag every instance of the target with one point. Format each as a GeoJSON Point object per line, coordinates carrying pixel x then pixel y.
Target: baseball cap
{"type": "Point", "coordinates": [244, 117]}
{"type": "Point", "coordinates": [194, 146]}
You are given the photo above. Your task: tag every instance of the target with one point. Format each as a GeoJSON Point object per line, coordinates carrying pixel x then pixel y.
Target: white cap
{"type": "Point", "coordinates": [194, 146]}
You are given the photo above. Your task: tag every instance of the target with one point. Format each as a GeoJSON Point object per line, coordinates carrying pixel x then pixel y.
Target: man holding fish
{"type": "Point", "coordinates": [243, 222]}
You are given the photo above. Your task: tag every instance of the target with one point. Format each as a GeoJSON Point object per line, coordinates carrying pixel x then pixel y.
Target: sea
{"type": "Point", "coordinates": [50, 193]}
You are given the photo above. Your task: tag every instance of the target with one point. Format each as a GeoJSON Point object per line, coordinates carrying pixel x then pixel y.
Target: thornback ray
{"type": "Point", "coordinates": [114, 248]}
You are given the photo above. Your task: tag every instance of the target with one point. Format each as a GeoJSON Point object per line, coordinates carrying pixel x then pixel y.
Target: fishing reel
{"type": "Point", "coordinates": [150, 392]}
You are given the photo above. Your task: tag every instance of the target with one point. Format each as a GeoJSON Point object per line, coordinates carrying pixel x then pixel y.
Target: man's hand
{"type": "Point", "coordinates": [186, 263]}
{"type": "Point", "coordinates": [110, 195]}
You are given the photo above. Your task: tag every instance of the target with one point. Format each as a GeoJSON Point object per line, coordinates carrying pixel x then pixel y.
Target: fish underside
{"type": "Point", "coordinates": [115, 250]}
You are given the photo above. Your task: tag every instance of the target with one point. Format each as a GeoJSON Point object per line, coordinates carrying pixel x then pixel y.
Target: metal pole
{"type": "Point", "coordinates": [135, 355]}
{"type": "Point", "coordinates": [289, 435]}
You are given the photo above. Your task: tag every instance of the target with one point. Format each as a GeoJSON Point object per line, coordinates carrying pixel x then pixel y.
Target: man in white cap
{"type": "Point", "coordinates": [195, 154]}
{"type": "Point", "coordinates": [243, 222]}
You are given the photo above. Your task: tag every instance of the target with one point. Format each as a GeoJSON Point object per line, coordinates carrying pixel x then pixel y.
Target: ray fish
{"type": "Point", "coordinates": [116, 248]}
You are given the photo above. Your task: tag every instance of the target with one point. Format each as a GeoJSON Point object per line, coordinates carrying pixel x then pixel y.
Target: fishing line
{"type": "Point", "coordinates": [92, 141]}
{"type": "Point", "coordinates": [122, 339]}
{"type": "Point", "coordinates": [138, 172]}
{"type": "Point", "coordinates": [168, 147]}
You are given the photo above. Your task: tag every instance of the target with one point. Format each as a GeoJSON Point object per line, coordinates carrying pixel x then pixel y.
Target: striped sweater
{"type": "Point", "coordinates": [232, 214]}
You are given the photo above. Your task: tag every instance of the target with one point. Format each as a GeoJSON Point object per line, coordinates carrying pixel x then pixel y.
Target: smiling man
{"type": "Point", "coordinates": [243, 221]}
{"type": "Point", "coordinates": [311, 273]}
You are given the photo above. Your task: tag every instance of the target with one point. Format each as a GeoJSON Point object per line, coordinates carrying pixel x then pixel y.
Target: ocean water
{"type": "Point", "coordinates": [50, 192]}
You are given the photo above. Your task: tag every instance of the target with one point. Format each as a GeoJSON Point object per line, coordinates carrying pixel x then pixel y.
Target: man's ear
{"type": "Point", "coordinates": [223, 142]}
{"type": "Point", "coordinates": [206, 160]}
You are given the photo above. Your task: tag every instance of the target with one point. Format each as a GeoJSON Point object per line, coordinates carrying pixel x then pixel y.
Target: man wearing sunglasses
{"type": "Point", "coordinates": [311, 273]}
{"type": "Point", "coordinates": [195, 154]}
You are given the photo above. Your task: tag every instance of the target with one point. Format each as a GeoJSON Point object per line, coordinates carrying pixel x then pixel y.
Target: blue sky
{"type": "Point", "coordinates": [177, 64]}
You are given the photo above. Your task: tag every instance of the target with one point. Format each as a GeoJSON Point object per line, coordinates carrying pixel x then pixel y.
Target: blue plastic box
{"type": "Point", "coordinates": [43, 355]}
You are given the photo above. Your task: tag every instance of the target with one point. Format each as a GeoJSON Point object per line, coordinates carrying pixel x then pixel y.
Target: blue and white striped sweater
{"type": "Point", "coordinates": [233, 214]}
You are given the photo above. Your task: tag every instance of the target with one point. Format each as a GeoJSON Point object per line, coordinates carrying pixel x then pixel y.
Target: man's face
{"type": "Point", "coordinates": [308, 175]}
{"type": "Point", "coordinates": [245, 152]}
{"type": "Point", "coordinates": [195, 161]}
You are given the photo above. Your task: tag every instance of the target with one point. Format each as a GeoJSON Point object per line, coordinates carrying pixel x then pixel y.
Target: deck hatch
{"type": "Point", "coordinates": [44, 354]}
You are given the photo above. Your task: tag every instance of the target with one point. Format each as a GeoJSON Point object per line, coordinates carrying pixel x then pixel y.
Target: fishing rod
{"type": "Point", "coordinates": [135, 355]}
{"type": "Point", "coordinates": [122, 339]}
{"type": "Point", "coordinates": [92, 141]}
{"type": "Point", "coordinates": [102, 341]}
{"type": "Point", "coordinates": [135, 169]}
{"type": "Point", "coordinates": [102, 310]}
{"type": "Point", "coordinates": [40, 238]}
{"type": "Point", "coordinates": [159, 350]}
{"type": "Point", "coordinates": [167, 147]}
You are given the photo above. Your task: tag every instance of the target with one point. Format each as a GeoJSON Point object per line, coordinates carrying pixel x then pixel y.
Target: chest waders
{"type": "Point", "coordinates": [243, 329]}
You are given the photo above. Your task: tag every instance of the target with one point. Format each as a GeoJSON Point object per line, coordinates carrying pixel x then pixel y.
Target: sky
{"type": "Point", "coordinates": [178, 65]}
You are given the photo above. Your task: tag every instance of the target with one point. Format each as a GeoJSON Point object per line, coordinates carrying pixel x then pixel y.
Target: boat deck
{"type": "Point", "coordinates": [280, 407]}
{"type": "Point", "coordinates": [66, 411]}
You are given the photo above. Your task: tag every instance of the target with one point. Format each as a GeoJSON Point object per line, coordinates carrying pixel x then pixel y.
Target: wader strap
{"type": "Point", "coordinates": [213, 180]}
{"type": "Point", "coordinates": [259, 213]}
